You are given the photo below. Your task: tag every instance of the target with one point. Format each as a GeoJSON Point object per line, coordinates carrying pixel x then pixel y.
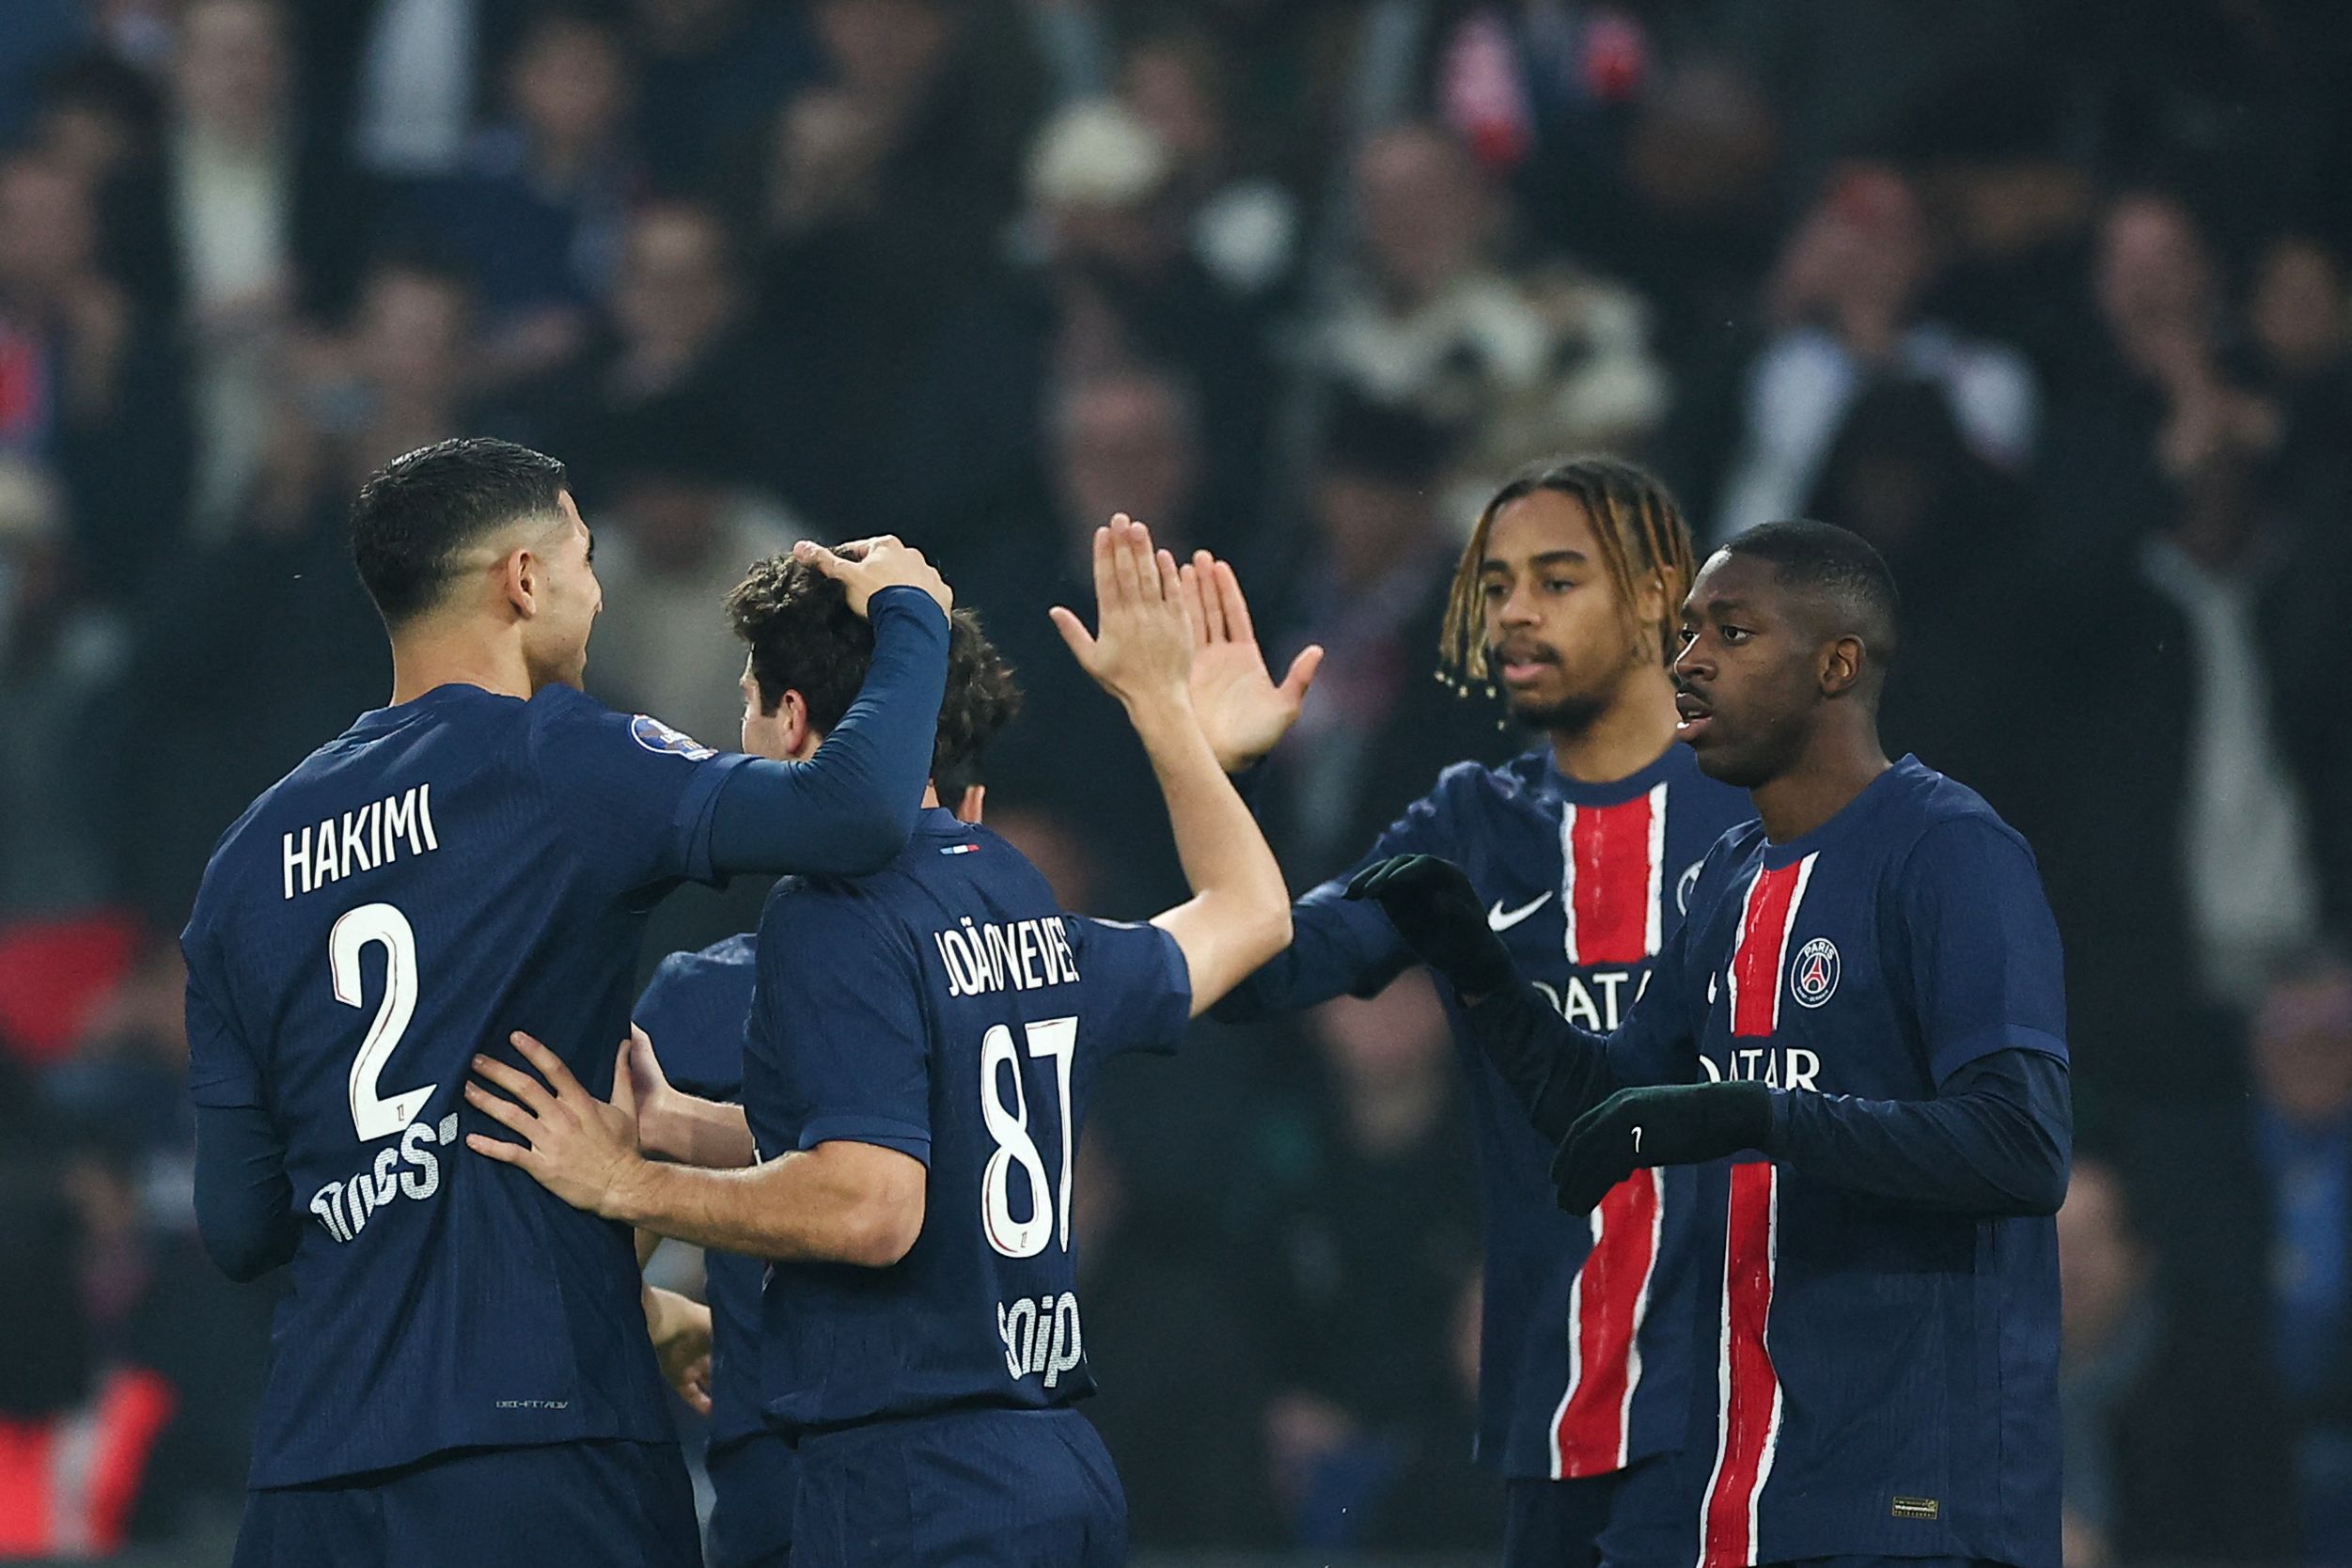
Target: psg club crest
{"type": "Point", "coordinates": [652, 734]}
{"type": "Point", "coordinates": [1814, 975]}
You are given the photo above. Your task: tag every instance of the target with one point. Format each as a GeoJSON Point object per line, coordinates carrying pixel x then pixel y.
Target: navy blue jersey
{"type": "Point", "coordinates": [1585, 1358]}
{"type": "Point", "coordinates": [947, 1008]}
{"type": "Point", "coordinates": [1885, 1375]}
{"type": "Point", "coordinates": [445, 872]}
{"type": "Point", "coordinates": [693, 1010]}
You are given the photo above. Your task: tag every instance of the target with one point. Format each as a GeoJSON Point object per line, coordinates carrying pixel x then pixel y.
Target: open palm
{"type": "Point", "coordinates": [1240, 708]}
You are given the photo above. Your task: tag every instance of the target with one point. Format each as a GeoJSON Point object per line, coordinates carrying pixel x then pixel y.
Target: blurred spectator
{"type": "Point", "coordinates": [2183, 876]}
{"type": "Point", "coordinates": [1122, 441]}
{"type": "Point", "coordinates": [1242, 227]}
{"type": "Point", "coordinates": [2303, 1059]}
{"type": "Point", "coordinates": [58, 661]}
{"type": "Point", "coordinates": [2010, 214]}
{"type": "Point", "coordinates": [1521, 364]}
{"type": "Point", "coordinates": [78, 1429]}
{"type": "Point", "coordinates": [1843, 306]}
{"type": "Point", "coordinates": [1377, 726]}
{"type": "Point", "coordinates": [1959, 535]}
{"type": "Point", "coordinates": [86, 385]}
{"type": "Point", "coordinates": [40, 33]}
{"type": "Point", "coordinates": [263, 647]}
{"type": "Point", "coordinates": [2156, 373]}
{"type": "Point", "coordinates": [2301, 320]}
{"type": "Point", "coordinates": [2176, 1448]}
{"type": "Point", "coordinates": [1368, 1216]}
{"type": "Point", "coordinates": [128, 1076]}
{"type": "Point", "coordinates": [231, 158]}
{"type": "Point", "coordinates": [1108, 284]}
{"type": "Point", "coordinates": [535, 212]}
{"type": "Point", "coordinates": [674, 538]}
{"type": "Point", "coordinates": [883, 194]}
{"type": "Point", "coordinates": [711, 73]}
{"type": "Point", "coordinates": [105, 120]}
{"type": "Point", "coordinates": [674, 351]}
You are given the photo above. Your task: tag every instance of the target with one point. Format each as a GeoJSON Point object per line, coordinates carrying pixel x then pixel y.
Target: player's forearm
{"type": "Point", "coordinates": [243, 1201]}
{"type": "Point", "coordinates": [1997, 1140]}
{"type": "Point", "coordinates": [791, 1209]}
{"type": "Point", "coordinates": [848, 810]}
{"type": "Point", "coordinates": [693, 1131]}
{"type": "Point", "coordinates": [1336, 948]}
{"type": "Point", "coordinates": [1555, 1071]}
{"type": "Point", "coordinates": [1239, 914]}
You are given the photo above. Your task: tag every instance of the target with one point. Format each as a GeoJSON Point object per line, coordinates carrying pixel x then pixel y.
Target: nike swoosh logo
{"type": "Point", "coordinates": [1500, 919]}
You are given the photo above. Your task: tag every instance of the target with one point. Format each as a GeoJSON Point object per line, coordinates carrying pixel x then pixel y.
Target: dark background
{"type": "Point", "coordinates": [2048, 298]}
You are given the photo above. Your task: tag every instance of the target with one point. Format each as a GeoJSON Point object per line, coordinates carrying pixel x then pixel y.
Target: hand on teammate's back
{"type": "Point", "coordinates": [1434, 907]}
{"type": "Point", "coordinates": [1141, 649]}
{"type": "Point", "coordinates": [1241, 710]}
{"type": "Point", "coordinates": [867, 565]}
{"type": "Point", "coordinates": [581, 1149]}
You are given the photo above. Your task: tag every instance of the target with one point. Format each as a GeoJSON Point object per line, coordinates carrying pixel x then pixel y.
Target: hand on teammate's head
{"type": "Point", "coordinates": [1141, 649]}
{"type": "Point", "coordinates": [865, 567]}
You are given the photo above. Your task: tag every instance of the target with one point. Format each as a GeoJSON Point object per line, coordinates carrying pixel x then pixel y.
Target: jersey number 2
{"type": "Point", "coordinates": [1008, 1125]}
{"type": "Point", "coordinates": [372, 1115]}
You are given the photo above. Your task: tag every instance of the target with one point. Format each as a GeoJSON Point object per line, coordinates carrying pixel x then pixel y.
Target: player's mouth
{"type": "Point", "coordinates": [1692, 715]}
{"type": "Point", "coordinates": [1524, 666]}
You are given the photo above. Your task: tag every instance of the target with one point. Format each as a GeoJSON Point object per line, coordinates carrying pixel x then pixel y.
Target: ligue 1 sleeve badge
{"type": "Point", "coordinates": [652, 734]}
{"type": "Point", "coordinates": [1814, 975]}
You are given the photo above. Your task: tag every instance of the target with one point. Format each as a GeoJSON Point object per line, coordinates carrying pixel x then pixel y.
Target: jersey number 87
{"type": "Point", "coordinates": [1056, 1038]}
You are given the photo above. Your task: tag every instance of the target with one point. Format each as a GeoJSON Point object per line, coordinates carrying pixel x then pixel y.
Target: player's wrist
{"type": "Point", "coordinates": [631, 1192]}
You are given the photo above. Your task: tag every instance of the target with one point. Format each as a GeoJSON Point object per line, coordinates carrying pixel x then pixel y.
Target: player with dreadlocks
{"type": "Point", "coordinates": [1582, 852]}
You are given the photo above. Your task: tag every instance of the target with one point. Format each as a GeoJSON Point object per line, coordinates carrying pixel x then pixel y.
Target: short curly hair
{"type": "Point", "coordinates": [804, 637]}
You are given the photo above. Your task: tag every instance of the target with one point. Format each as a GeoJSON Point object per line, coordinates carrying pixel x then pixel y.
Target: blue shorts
{"type": "Point", "coordinates": [753, 1483]}
{"type": "Point", "coordinates": [583, 1505]}
{"type": "Point", "coordinates": [971, 1489]}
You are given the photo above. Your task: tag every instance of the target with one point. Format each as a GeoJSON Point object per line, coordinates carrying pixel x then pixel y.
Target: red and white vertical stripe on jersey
{"type": "Point", "coordinates": [1592, 1428]}
{"type": "Point", "coordinates": [1748, 1389]}
{"type": "Point", "coordinates": [1765, 924]}
{"type": "Point", "coordinates": [1612, 871]}
{"type": "Point", "coordinates": [1748, 1420]}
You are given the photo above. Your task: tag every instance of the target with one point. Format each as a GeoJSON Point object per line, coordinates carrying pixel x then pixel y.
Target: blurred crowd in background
{"type": "Point", "coordinates": [2048, 298]}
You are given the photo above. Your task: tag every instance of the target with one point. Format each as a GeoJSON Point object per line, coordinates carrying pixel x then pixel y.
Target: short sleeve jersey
{"type": "Point", "coordinates": [947, 1008]}
{"type": "Point", "coordinates": [446, 872]}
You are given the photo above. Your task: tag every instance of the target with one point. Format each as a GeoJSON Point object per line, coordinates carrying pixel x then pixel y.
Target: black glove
{"type": "Point", "coordinates": [1437, 911]}
{"type": "Point", "coordinates": [1662, 1125]}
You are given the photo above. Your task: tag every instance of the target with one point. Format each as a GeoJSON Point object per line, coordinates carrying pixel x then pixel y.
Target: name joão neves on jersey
{"type": "Point", "coordinates": [947, 1008]}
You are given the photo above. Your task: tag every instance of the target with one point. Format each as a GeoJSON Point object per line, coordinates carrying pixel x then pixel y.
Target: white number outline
{"type": "Point", "coordinates": [375, 1117]}
{"type": "Point", "coordinates": [1056, 1038]}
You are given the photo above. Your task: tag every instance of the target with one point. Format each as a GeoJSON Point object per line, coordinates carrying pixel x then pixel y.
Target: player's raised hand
{"type": "Point", "coordinates": [865, 567]}
{"type": "Point", "coordinates": [1241, 710]}
{"type": "Point", "coordinates": [1431, 902]}
{"type": "Point", "coordinates": [1141, 649]}
{"type": "Point", "coordinates": [581, 1149]}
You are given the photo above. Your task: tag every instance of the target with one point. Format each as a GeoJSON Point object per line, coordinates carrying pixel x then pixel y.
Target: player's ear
{"type": "Point", "coordinates": [801, 739]}
{"type": "Point", "coordinates": [1841, 667]}
{"type": "Point", "coordinates": [519, 582]}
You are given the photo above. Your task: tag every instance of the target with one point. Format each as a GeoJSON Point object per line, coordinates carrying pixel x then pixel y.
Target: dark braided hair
{"type": "Point", "coordinates": [804, 637]}
{"type": "Point", "coordinates": [1641, 530]}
